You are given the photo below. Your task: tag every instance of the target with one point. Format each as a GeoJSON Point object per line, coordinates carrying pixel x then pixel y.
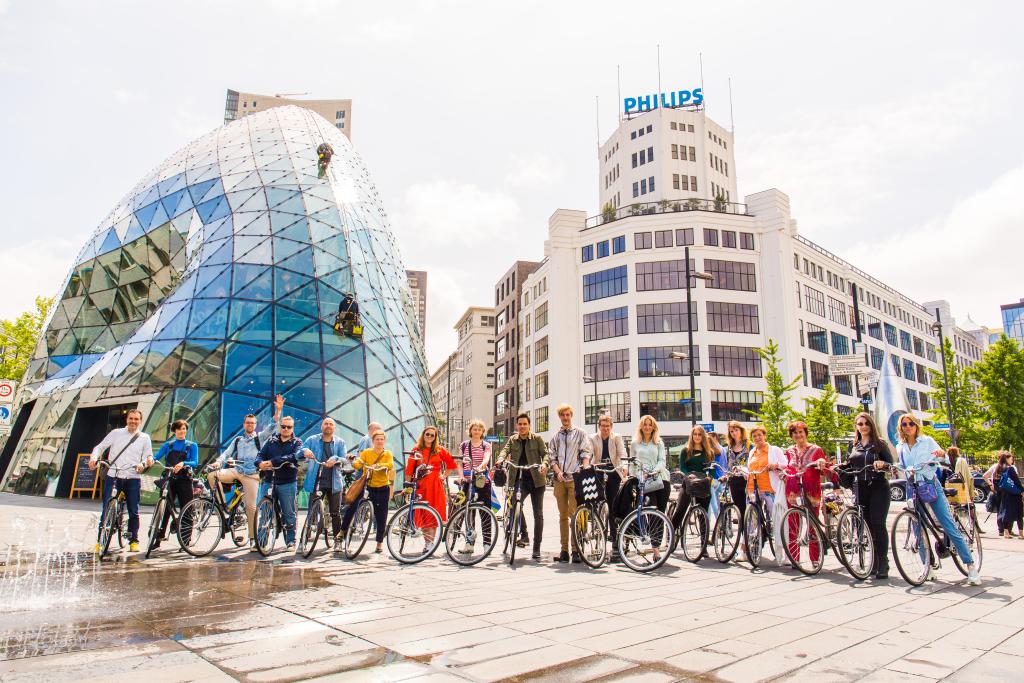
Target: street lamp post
{"type": "Point", "coordinates": [707, 277]}
{"type": "Point", "coordinates": [587, 379]}
{"type": "Point", "coordinates": [937, 325]}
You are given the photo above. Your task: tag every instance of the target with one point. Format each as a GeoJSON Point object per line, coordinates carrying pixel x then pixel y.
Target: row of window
{"type": "Point", "coordinates": [718, 164]}
{"type": "Point", "coordinates": [618, 245]}
{"type": "Point", "coordinates": [640, 132]}
{"type": "Point", "coordinates": [642, 157]}
{"type": "Point", "coordinates": [671, 317]}
{"type": "Point", "coordinates": [684, 182]}
{"type": "Point", "coordinates": [643, 186]}
{"type": "Point", "coordinates": [684, 153]}
{"type": "Point", "coordinates": [652, 276]}
{"type": "Point", "coordinates": [685, 127]}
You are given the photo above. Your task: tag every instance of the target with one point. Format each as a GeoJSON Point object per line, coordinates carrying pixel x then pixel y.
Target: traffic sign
{"type": "Point", "coordinates": [940, 425]}
{"type": "Point", "coordinates": [685, 401]}
{"type": "Point", "coordinates": [847, 364]}
{"type": "Point", "coordinates": [708, 426]}
{"type": "Point", "coordinates": [492, 439]}
{"type": "Point", "coordinates": [7, 388]}
{"type": "Point", "coordinates": [5, 415]}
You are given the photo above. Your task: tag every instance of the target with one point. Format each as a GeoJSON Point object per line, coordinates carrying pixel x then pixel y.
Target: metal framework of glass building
{"type": "Point", "coordinates": [211, 287]}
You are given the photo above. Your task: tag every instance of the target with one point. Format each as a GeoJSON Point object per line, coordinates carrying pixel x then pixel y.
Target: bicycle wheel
{"type": "Point", "coordinates": [802, 540]}
{"type": "Point", "coordinates": [207, 527]}
{"type": "Point", "coordinates": [266, 527]}
{"type": "Point", "coordinates": [588, 535]}
{"type": "Point", "coordinates": [645, 538]}
{"type": "Point", "coordinates": [855, 545]}
{"type": "Point", "coordinates": [512, 531]}
{"type": "Point", "coordinates": [727, 533]}
{"type": "Point", "coordinates": [693, 533]}
{"type": "Point", "coordinates": [471, 534]}
{"type": "Point", "coordinates": [310, 528]}
{"type": "Point", "coordinates": [359, 529]}
{"type": "Point", "coordinates": [965, 524]}
{"type": "Point", "coordinates": [753, 524]}
{"type": "Point", "coordinates": [327, 526]}
{"type": "Point", "coordinates": [122, 526]}
{"type": "Point", "coordinates": [602, 513]}
{"type": "Point", "coordinates": [154, 525]}
{"type": "Point", "coordinates": [239, 523]}
{"type": "Point", "coordinates": [911, 548]}
{"type": "Point", "coordinates": [408, 533]}
{"type": "Point", "coordinates": [107, 529]}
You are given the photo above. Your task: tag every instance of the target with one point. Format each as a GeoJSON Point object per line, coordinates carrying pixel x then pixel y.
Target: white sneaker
{"type": "Point", "coordinates": [931, 575]}
{"type": "Point", "coordinates": [973, 578]}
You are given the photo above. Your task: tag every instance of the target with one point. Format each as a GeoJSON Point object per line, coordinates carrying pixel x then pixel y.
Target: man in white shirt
{"type": "Point", "coordinates": [130, 452]}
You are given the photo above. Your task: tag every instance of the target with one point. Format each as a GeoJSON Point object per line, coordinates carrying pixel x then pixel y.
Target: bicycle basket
{"type": "Point", "coordinates": [588, 487]}
{"type": "Point", "coordinates": [500, 477]}
{"type": "Point", "coordinates": [697, 487]}
{"type": "Point", "coordinates": [846, 478]}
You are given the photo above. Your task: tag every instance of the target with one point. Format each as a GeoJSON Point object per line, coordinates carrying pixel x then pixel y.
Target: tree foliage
{"type": "Point", "coordinates": [776, 410]}
{"type": "Point", "coordinates": [18, 339]}
{"type": "Point", "coordinates": [968, 414]}
{"type": "Point", "coordinates": [1001, 376]}
{"type": "Point", "coordinates": [825, 424]}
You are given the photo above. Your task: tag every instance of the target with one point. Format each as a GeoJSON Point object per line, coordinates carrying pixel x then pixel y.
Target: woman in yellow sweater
{"type": "Point", "coordinates": [381, 468]}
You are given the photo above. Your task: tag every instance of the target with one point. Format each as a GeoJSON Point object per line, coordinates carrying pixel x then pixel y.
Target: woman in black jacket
{"type": "Point", "coordinates": [870, 451]}
{"type": "Point", "coordinates": [1011, 506]}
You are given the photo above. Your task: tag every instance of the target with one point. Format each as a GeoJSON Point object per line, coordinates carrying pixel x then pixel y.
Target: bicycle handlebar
{"type": "Point", "coordinates": [506, 463]}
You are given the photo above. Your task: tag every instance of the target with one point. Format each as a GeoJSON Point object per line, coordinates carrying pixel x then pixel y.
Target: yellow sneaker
{"type": "Point", "coordinates": [97, 549]}
{"type": "Point", "coordinates": [133, 547]}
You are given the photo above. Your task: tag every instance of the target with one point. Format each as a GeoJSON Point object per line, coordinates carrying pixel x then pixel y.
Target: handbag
{"type": "Point", "coordinates": [500, 477]}
{"type": "Point", "coordinates": [927, 492]}
{"type": "Point", "coordinates": [355, 490]}
{"type": "Point", "coordinates": [697, 486]}
{"type": "Point", "coordinates": [992, 503]}
{"type": "Point", "coordinates": [653, 484]}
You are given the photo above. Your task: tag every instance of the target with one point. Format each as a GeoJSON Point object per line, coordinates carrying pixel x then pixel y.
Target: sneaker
{"type": "Point", "coordinates": [291, 546]}
{"type": "Point", "coordinates": [931, 575]}
{"type": "Point", "coordinates": [973, 578]}
{"type": "Point", "coordinates": [576, 557]}
{"type": "Point", "coordinates": [536, 556]}
{"type": "Point", "coordinates": [522, 542]}
{"type": "Point", "coordinates": [97, 549]}
{"type": "Point", "coordinates": [465, 550]}
{"type": "Point", "coordinates": [615, 559]}
{"type": "Point", "coordinates": [133, 547]}
{"type": "Point", "coordinates": [562, 556]}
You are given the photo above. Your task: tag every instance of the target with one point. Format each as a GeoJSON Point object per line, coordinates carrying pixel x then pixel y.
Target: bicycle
{"type": "Point", "coordinates": [115, 520]}
{"type": "Point", "coordinates": [590, 525]}
{"type": "Point", "coordinates": [269, 524]}
{"type": "Point", "coordinates": [362, 521]}
{"type": "Point", "coordinates": [514, 513]}
{"type": "Point", "coordinates": [853, 539]}
{"type": "Point", "coordinates": [725, 537]}
{"type": "Point", "coordinates": [213, 518]}
{"type": "Point", "coordinates": [645, 531]}
{"type": "Point", "coordinates": [693, 531]}
{"type": "Point", "coordinates": [911, 547]}
{"type": "Point", "coordinates": [405, 533]}
{"type": "Point", "coordinates": [318, 511]}
{"type": "Point", "coordinates": [163, 505]}
{"type": "Point", "coordinates": [757, 525]}
{"type": "Point", "coordinates": [474, 519]}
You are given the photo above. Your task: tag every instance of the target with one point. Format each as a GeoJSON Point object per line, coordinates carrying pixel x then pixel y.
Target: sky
{"type": "Point", "coordinates": [894, 128]}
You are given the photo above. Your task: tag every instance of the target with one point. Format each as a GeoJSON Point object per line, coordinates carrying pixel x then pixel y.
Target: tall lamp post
{"type": "Point", "coordinates": [707, 277]}
{"type": "Point", "coordinates": [937, 327]}
{"type": "Point", "coordinates": [587, 379]}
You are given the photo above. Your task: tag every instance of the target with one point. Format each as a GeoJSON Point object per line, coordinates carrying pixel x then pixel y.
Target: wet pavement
{"type": "Point", "coordinates": [236, 616]}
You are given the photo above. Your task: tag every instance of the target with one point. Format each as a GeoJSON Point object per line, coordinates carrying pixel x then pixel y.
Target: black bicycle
{"type": "Point", "coordinates": [757, 525]}
{"type": "Point", "coordinates": [362, 522]}
{"type": "Point", "coordinates": [269, 522]}
{"type": "Point", "coordinates": [590, 523]}
{"type": "Point", "coordinates": [695, 527]}
{"type": "Point", "coordinates": [213, 518]}
{"type": "Point", "coordinates": [318, 511]}
{"type": "Point", "coordinates": [114, 521]}
{"type": "Point", "coordinates": [728, 529]}
{"type": "Point", "coordinates": [646, 536]}
{"type": "Point", "coordinates": [514, 510]}
{"type": "Point", "coordinates": [472, 530]}
{"type": "Point", "coordinates": [164, 505]}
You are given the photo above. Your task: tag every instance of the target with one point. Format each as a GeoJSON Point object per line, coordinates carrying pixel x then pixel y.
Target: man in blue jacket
{"type": "Point", "coordinates": [328, 463]}
{"type": "Point", "coordinates": [281, 455]}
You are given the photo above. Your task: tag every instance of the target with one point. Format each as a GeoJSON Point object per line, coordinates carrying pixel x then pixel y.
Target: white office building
{"type": "Point", "coordinates": [463, 386]}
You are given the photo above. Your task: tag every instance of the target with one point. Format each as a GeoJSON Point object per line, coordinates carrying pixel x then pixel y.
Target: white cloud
{"type": "Point", "coordinates": [386, 32]}
{"type": "Point", "coordinates": [32, 269]}
{"type": "Point", "coordinates": [971, 257]}
{"type": "Point", "coordinates": [534, 170]}
{"type": "Point", "coordinates": [437, 213]}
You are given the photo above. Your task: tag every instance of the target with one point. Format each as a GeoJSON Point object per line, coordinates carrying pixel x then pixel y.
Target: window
{"type": "Point", "coordinates": [925, 401]}
{"type": "Point", "coordinates": [643, 186]}
{"type": "Point", "coordinates": [840, 344]}
{"type": "Point", "coordinates": [542, 385]}
{"type": "Point", "coordinates": [890, 334]}
{"type": "Point", "coordinates": [817, 338]}
{"type": "Point", "coordinates": [672, 406]}
{"type": "Point", "coordinates": [922, 375]}
{"type": "Point", "coordinates": [896, 365]}
{"type": "Point", "coordinates": [663, 238]}
{"type": "Point", "coordinates": [501, 347]}
{"type": "Point", "coordinates": [877, 358]}
{"type": "Point", "coordinates": [588, 253]}
{"type": "Point", "coordinates": [657, 275]}
{"type": "Point", "coordinates": [602, 249]}
{"type": "Point", "coordinates": [735, 275]}
{"type": "Point", "coordinates": [908, 368]}
{"type": "Point", "coordinates": [710, 237]}
{"type": "Point", "coordinates": [734, 361]}
{"type": "Point", "coordinates": [605, 283]}
{"type": "Point", "coordinates": [844, 385]}
{"type": "Point", "coordinates": [527, 357]}
{"type": "Point", "coordinates": [729, 317]}
{"type": "Point", "coordinates": [912, 399]}
{"type": "Point", "coordinates": [693, 179]}
{"type": "Point", "coordinates": [930, 352]}
{"type": "Point", "coordinates": [675, 150]}
{"type": "Point", "coordinates": [607, 365]}
{"type": "Point", "coordinates": [500, 375]}
{"type": "Point", "coordinates": [642, 240]}
{"type": "Point", "coordinates": [814, 301]}
{"type": "Point", "coordinates": [541, 350]}
{"type": "Point", "coordinates": [819, 375]}
{"type": "Point", "coordinates": [746, 240]}
{"type": "Point", "coordinates": [684, 237]}
{"type": "Point", "coordinates": [650, 184]}
{"type": "Point", "coordinates": [675, 179]}
{"type": "Point", "coordinates": [657, 361]}
{"type": "Point", "coordinates": [604, 324]}
{"type": "Point", "coordinates": [634, 160]}
{"type": "Point", "coordinates": [340, 114]}
{"type": "Point", "coordinates": [905, 342]}
{"type": "Point", "coordinates": [670, 317]}
{"type": "Point", "coordinates": [540, 419]}
{"type": "Point", "coordinates": [729, 238]}
{"type": "Point", "coordinates": [733, 405]}
{"type": "Point", "coordinates": [636, 189]}
{"type": "Point", "coordinates": [650, 154]}
{"type": "Point", "coordinates": [798, 304]}
{"type": "Point", "coordinates": [874, 327]}
{"type": "Point", "coordinates": [540, 317]}
{"type": "Point", "coordinates": [615, 405]}
{"type": "Point", "coordinates": [836, 311]}
{"type": "Point", "coordinates": [526, 325]}
{"type": "Point", "coordinates": [618, 244]}
{"type": "Point", "coordinates": [693, 157]}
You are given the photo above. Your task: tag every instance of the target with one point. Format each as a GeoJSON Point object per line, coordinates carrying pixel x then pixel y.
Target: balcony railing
{"type": "Point", "coordinates": [667, 206]}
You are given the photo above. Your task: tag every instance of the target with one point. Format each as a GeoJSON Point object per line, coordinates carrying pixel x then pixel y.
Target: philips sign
{"type": "Point", "coordinates": [669, 100]}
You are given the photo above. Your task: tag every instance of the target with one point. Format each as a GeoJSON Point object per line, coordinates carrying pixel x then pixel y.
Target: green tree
{"type": "Point", "coordinates": [825, 424]}
{"type": "Point", "coordinates": [1001, 375]}
{"type": "Point", "coordinates": [776, 411]}
{"type": "Point", "coordinates": [968, 412]}
{"type": "Point", "coordinates": [18, 339]}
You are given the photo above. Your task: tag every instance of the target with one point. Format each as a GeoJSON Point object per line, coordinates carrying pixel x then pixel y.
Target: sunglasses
{"type": "Point", "coordinates": [287, 427]}
{"type": "Point", "coordinates": [862, 424]}
{"type": "Point", "coordinates": [908, 424]}
{"type": "Point", "coordinates": [430, 434]}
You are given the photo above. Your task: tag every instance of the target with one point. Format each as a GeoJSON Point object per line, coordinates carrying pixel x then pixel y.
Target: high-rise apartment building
{"type": "Point", "coordinates": [463, 386]}
{"type": "Point", "coordinates": [1013, 320]}
{"type": "Point", "coordinates": [418, 287]}
{"type": "Point", "coordinates": [678, 156]}
{"type": "Point", "coordinates": [239, 104]}
{"type": "Point", "coordinates": [508, 292]}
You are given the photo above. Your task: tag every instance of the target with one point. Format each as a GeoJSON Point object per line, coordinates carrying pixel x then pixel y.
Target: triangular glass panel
{"type": "Point", "coordinates": [302, 300]}
{"type": "Point", "coordinates": [288, 370]}
{"type": "Point", "coordinates": [257, 379]}
{"type": "Point", "coordinates": [238, 358]}
{"type": "Point", "coordinates": [307, 393]}
{"type": "Point", "coordinates": [286, 281]}
{"type": "Point", "coordinates": [284, 248]}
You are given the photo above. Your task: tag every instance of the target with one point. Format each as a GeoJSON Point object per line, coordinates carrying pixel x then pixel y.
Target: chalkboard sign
{"type": "Point", "coordinates": [85, 480]}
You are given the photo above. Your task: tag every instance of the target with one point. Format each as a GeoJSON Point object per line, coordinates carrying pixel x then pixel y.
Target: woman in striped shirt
{"type": "Point", "coordinates": [476, 460]}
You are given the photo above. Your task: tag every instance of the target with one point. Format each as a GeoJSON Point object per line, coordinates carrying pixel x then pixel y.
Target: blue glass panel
{"type": "Point", "coordinates": [306, 421]}
{"type": "Point", "coordinates": [304, 345]}
{"type": "Point", "coordinates": [258, 330]}
{"type": "Point", "coordinates": [289, 370]}
{"type": "Point", "coordinates": [257, 380]}
{"type": "Point", "coordinates": [177, 326]}
{"type": "Point", "coordinates": [207, 274]}
{"type": "Point", "coordinates": [335, 344]}
{"type": "Point", "coordinates": [234, 408]}
{"type": "Point", "coordinates": [170, 203]}
{"type": "Point", "coordinates": [341, 280]}
{"type": "Point", "coordinates": [338, 390]}
{"type": "Point", "coordinates": [253, 224]}
{"type": "Point", "coordinates": [353, 415]}
{"type": "Point", "coordinates": [213, 209]}
{"type": "Point", "coordinates": [298, 231]}
{"type": "Point", "coordinates": [145, 215]}
{"type": "Point", "coordinates": [261, 253]}
{"type": "Point", "coordinates": [287, 281]}
{"type": "Point", "coordinates": [244, 274]}
{"type": "Point", "coordinates": [307, 393]}
{"type": "Point", "coordinates": [301, 262]}
{"type": "Point", "coordinates": [209, 317]}
{"type": "Point", "coordinates": [260, 287]}
{"type": "Point", "coordinates": [219, 285]}
{"type": "Point", "coordinates": [198, 191]}
{"type": "Point", "coordinates": [351, 365]}
{"type": "Point", "coordinates": [214, 252]}
{"type": "Point", "coordinates": [377, 370]}
{"type": "Point", "coordinates": [238, 358]}
{"type": "Point", "coordinates": [290, 323]}
{"type": "Point", "coordinates": [302, 300]}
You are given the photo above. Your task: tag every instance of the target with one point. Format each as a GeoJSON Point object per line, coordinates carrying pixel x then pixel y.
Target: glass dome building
{"type": "Point", "coordinates": [211, 287]}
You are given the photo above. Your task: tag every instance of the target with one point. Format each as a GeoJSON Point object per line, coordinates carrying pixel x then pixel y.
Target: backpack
{"type": "Point", "coordinates": [1008, 485]}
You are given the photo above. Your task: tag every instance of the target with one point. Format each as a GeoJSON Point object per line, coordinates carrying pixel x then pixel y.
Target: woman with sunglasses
{"type": "Point", "coordinates": [871, 455]}
{"type": "Point", "coordinates": [920, 450]}
{"type": "Point", "coordinates": [431, 487]}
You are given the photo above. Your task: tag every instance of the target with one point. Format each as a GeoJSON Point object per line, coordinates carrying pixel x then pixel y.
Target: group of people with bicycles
{"type": "Point", "coordinates": [740, 496]}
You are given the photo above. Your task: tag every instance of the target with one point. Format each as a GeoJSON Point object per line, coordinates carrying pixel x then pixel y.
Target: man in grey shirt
{"type": "Point", "coordinates": [569, 450]}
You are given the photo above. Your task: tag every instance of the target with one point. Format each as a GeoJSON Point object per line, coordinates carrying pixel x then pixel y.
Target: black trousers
{"type": "Point", "coordinates": [683, 504]}
{"type": "Point", "coordinates": [873, 500]}
{"type": "Point", "coordinates": [334, 505]}
{"type": "Point", "coordinates": [379, 496]}
{"type": "Point", "coordinates": [612, 484]}
{"type": "Point", "coordinates": [1010, 512]}
{"type": "Point", "coordinates": [738, 489]}
{"type": "Point", "coordinates": [482, 494]}
{"type": "Point", "coordinates": [180, 493]}
{"type": "Point", "coordinates": [536, 496]}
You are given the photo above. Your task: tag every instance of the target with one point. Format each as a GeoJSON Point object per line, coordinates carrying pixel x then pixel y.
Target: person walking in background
{"type": "Point", "coordinates": [569, 450]}
{"type": "Point", "coordinates": [327, 460]}
{"type": "Point", "coordinates": [871, 454]}
{"type": "Point", "coordinates": [432, 483]}
{"type": "Point", "coordinates": [526, 448]}
{"type": "Point", "coordinates": [1011, 505]}
{"type": "Point", "coordinates": [129, 453]}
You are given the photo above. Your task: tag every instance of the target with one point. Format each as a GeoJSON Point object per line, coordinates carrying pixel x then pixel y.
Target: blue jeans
{"type": "Point", "coordinates": [945, 518]}
{"type": "Point", "coordinates": [284, 495]}
{"type": "Point", "coordinates": [132, 489]}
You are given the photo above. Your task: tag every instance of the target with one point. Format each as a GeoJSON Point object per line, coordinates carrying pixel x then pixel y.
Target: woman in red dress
{"type": "Point", "coordinates": [431, 487]}
{"type": "Point", "coordinates": [809, 460]}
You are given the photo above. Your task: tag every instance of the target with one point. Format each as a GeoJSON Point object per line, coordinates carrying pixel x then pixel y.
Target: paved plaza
{"type": "Point", "coordinates": [240, 617]}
